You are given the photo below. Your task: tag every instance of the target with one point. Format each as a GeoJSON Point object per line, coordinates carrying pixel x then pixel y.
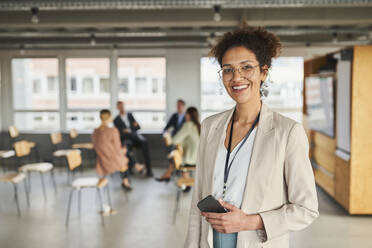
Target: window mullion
{"type": "Point", "coordinates": [62, 91]}
{"type": "Point", "coordinates": [114, 93]}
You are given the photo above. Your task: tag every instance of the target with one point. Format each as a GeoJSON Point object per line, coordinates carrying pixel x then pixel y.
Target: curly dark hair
{"type": "Point", "coordinates": [265, 45]}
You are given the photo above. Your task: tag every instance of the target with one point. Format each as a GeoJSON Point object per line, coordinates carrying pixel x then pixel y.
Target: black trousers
{"type": "Point", "coordinates": [139, 141]}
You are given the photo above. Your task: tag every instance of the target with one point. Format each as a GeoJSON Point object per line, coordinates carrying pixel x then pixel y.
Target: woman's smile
{"type": "Point", "coordinates": [240, 88]}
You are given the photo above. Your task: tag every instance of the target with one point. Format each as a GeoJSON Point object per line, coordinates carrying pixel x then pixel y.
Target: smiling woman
{"type": "Point", "coordinates": [254, 160]}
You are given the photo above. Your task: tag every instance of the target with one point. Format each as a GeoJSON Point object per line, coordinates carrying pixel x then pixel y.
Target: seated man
{"type": "Point", "coordinates": [111, 156]}
{"type": "Point", "coordinates": [128, 127]}
{"type": "Point", "coordinates": [177, 119]}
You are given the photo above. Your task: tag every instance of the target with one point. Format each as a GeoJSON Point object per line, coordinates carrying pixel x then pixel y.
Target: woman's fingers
{"type": "Point", "coordinates": [226, 205]}
{"type": "Point", "coordinates": [214, 221]}
{"type": "Point", "coordinates": [212, 215]}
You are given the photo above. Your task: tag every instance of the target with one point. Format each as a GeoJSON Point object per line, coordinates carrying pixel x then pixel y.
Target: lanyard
{"type": "Point", "coordinates": [227, 165]}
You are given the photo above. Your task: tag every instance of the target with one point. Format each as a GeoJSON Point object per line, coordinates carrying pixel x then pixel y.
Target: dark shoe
{"type": "Point", "coordinates": [149, 174]}
{"type": "Point", "coordinates": [163, 179]}
{"type": "Point", "coordinates": [125, 187]}
{"type": "Point", "coordinates": [187, 189]}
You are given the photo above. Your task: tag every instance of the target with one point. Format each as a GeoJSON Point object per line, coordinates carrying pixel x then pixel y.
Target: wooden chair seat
{"type": "Point", "coordinates": [38, 167]}
{"type": "Point", "coordinates": [89, 182]}
{"type": "Point", "coordinates": [83, 146]}
{"type": "Point", "coordinates": [185, 182]}
{"type": "Point", "coordinates": [7, 153]}
{"type": "Point", "coordinates": [13, 178]}
{"type": "Point", "coordinates": [63, 152]}
{"type": "Point", "coordinates": [31, 144]}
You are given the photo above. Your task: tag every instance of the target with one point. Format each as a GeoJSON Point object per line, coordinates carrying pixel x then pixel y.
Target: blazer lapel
{"type": "Point", "coordinates": [259, 167]}
{"type": "Point", "coordinates": [214, 142]}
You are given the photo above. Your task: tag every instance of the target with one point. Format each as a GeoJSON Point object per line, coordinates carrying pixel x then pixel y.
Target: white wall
{"type": "Point", "coordinates": [183, 78]}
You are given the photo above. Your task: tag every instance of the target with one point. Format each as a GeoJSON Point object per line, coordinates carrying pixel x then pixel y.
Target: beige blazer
{"type": "Point", "coordinates": [280, 182]}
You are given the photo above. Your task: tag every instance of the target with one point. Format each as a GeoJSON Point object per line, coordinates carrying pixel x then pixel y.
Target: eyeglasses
{"type": "Point", "coordinates": [227, 73]}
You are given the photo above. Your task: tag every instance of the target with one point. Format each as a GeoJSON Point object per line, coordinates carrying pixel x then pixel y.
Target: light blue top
{"type": "Point", "coordinates": [238, 172]}
{"type": "Point", "coordinates": [180, 117]}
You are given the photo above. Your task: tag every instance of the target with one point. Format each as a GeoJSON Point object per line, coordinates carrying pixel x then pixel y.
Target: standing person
{"type": "Point", "coordinates": [128, 127]}
{"type": "Point", "coordinates": [188, 138]}
{"type": "Point", "coordinates": [177, 119]}
{"type": "Point", "coordinates": [253, 160]}
{"type": "Point", "coordinates": [111, 156]}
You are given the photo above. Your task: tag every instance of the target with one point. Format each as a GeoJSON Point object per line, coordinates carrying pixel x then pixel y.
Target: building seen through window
{"type": "Point", "coordinates": [35, 89]}
{"type": "Point", "coordinates": [85, 81]}
{"type": "Point", "coordinates": [139, 81]}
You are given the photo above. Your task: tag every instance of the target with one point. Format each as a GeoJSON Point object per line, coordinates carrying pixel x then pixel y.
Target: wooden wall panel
{"type": "Point", "coordinates": [342, 182]}
{"type": "Point", "coordinates": [325, 142]}
{"type": "Point", "coordinates": [325, 181]}
{"type": "Point", "coordinates": [324, 159]}
{"type": "Point", "coordinates": [361, 132]}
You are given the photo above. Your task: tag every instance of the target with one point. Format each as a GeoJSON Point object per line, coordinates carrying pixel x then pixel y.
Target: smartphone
{"type": "Point", "coordinates": [211, 205]}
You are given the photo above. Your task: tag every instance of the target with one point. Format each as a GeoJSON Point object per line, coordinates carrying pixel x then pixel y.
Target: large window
{"type": "Point", "coordinates": [87, 83]}
{"type": "Point", "coordinates": [82, 120]}
{"type": "Point", "coordinates": [140, 81]}
{"type": "Point", "coordinates": [35, 93]}
{"type": "Point", "coordinates": [285, 89]}
{"type": "Point", "coordinates": [214, 97]}
{"type": "Point", "coordinates": [88, 91]}
{"type": "Point", "coordinates": [35, 83]}
{"type": "Point", "coordinates": [37, 121]}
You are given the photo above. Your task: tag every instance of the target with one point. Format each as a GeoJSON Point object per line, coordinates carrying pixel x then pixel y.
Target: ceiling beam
{"type": "Point", "coordinates": [12, 5]}
{"type": "Point", "coordinates": [187, 18]}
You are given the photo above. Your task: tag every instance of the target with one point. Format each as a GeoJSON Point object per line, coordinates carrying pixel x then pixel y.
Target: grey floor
{"type": "Point", "coordinates": [145, 220]}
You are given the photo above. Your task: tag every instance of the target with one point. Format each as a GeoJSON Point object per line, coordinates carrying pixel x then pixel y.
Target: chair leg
{"type": "Point", "coordinates": [43, 185]}
{"type": "Point", "coordinates": [16, 199]}
{"type": "Point", "coordinates": [108, 195]}
{"type": "Point", "coordinates": [101, 204]}
{"type": "Point", "coordinates": [72, 175]}
{"type": "Point", "coordinates": [68, 176]}
{"type": "Point", "coordinates": [79, 202]}
{"type": "Point", "coordinates": [37, 154]}
{"type": "Point", "coordinates": [53, 180]}
{"type": "Point", "coordinates": [29, 181]}
{"type": "Point", "coordinates": [176, 207]}
{"type": "Point", "coordinates": [69, 207]}
{"type": "Point", "coordinates": [26, 192]}
{"type": "Point", "coordinates": [2, 165]}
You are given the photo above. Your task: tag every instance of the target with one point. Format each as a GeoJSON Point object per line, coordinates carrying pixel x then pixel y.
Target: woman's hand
{"type": "Point", "coordinates": [233, 221]}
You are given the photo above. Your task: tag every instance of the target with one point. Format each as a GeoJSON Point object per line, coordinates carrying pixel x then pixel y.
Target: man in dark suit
{"type": "Point", "coordinates": [177, 119]}
{"type": "Point", "coordinates": [128, 127]}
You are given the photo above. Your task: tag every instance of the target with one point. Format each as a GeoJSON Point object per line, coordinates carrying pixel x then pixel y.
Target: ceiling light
{"type": "Point", "coordinates": [21, 49]}
{"type": "Point", "coordinates": [217, 14]}
{"type": "Point", "coordinates": [335, 38]}
{"type": "Point", "coordinates": [92, 40]}
{"type": "Point", "coordinates": [211, 39]}
{"type": "Point", "coordinates": [34, 15]}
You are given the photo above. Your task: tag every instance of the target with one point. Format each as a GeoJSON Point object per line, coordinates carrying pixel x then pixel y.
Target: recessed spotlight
{"type": "Point", "coordinates": [92, 40]}
{"type": "Point", "coordinates": [21, 49]}
{"type": "Point", "coordinates": [217, 14]}
{"type": "Point", "coordinates": [34, 15]}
